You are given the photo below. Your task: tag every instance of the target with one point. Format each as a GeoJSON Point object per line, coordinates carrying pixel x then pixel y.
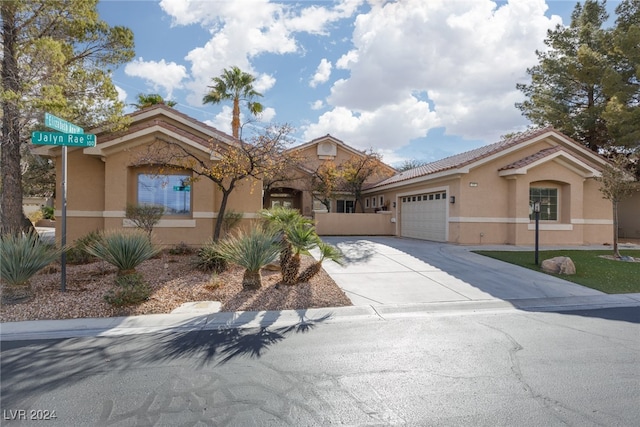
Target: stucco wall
{"type": "Point", "coordinates": [629, 216]}
{"type": "Point", "coordinates": [357, 224]}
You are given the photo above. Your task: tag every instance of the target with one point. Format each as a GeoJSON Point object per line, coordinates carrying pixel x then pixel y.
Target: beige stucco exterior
{"type": "Point", "coordinates": [101, 180]}
{"type": "Point", "coordinates": [491, 194]}
{"type": "Point", "coordinates": [479, 197]}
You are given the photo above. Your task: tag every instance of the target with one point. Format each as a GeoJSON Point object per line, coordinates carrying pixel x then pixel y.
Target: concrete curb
{"type": "Point", "coordinates": [184, 322]}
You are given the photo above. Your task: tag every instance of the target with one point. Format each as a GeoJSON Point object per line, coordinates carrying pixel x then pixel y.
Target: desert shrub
{"type": "Point", "coordinates": [77, 254]}
{"type": "Point", "coordinates": [144, 216]}
{"type": "Point", "coordinates": [214, 282]}
{"type": "Point", "coordinates": [35, 216]}
{"type": "Point", "coordinates": [130, 290]}
{"type": "Point", "coordinates": [48, 212]}
{"type": "Point", "coordinates": [181, 249]}
{"type": "Point", "coordinates": [124, 250]}
{"type": "Point", "coordinates": [231, 220]}
{"type": "Point", "coordinates": [23, 255]}
{"type": "Point", "coordinates": [210, 259]}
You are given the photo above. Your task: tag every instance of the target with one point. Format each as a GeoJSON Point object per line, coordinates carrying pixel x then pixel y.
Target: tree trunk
{"type": "Point", "coordinates": [235, 119]}
{"type": "Point", "coordinates": [221, 211]}
{"type": "Point", "coordinates": [309, 272]}
{"type": "Point", "coordinates": [251, 280]}
{"type": "Point", "coordinates": [290, 272]}
{"type": "Point", "coordinates": [616, 253]}
{"type": "Point", "coordinates": [11, 214]}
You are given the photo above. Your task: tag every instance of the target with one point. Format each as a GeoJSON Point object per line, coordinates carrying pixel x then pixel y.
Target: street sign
{"type": "Point", "coordinates": [69, 139]}
{"type": "Point", "coordinates": [58, 124]}
{"type": "Point", "coordinates": [181, 188]}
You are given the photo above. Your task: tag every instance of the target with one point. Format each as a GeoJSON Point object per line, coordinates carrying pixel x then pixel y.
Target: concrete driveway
{"type": "Point", "coordinates": [391, 270]}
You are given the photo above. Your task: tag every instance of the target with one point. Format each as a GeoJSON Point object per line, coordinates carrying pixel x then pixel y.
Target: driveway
{"type": "Point", "coordinates": [391, 270]}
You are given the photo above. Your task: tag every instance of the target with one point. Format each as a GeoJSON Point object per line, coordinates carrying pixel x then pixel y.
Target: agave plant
{"type": "Point", "coordinates": [252, 250]}
{"type": "Point", "coordinates": [23, 255]}
{"type": "Point", "coordinates": [327, 251]}
{"type": "Point", "coordinates": [124, 250]}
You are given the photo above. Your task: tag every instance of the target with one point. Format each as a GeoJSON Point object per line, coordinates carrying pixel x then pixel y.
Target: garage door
{"type": "Point", "coordinates": [424, 216]}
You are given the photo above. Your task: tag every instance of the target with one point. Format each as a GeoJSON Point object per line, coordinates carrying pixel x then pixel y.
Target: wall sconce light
{"type": "Point", "coordinates": [394, 204]}
{"type": "Point", "coordinates": [452, 199]}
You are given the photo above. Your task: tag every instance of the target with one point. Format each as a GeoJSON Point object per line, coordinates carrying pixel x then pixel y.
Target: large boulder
{"type": "Point", "coordinates": [559, 265]}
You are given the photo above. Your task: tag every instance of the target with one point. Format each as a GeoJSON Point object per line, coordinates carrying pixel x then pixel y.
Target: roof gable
{"type": "Point", "coordinates": [464, 162]}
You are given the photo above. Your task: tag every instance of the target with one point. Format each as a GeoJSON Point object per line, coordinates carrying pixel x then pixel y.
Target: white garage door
{"type": "Point", "coordinates": [424, 216]}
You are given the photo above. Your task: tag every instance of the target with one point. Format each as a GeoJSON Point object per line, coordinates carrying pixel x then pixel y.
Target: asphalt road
{"type": "Point", "coordinates": [503, 368]}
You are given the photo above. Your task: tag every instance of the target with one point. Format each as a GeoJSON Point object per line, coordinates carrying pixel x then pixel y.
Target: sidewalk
{"type": "Point", "coordinates": [385, 278]}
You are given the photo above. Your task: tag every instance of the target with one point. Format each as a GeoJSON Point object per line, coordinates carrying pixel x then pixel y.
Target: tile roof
{"type": "Point", "coordinates": [532, 158]}
{"type": "Point", "coordinates": [462, 159]}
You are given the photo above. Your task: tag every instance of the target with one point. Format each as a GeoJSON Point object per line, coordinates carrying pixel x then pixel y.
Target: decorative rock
{"type": "Point", "coordinates": [559, 265]}
{"type": "Point", "coordinates": [274, 266]}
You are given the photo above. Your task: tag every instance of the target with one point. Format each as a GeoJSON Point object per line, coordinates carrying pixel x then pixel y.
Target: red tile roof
{"type": "Point", "coordinates": [463, 159]}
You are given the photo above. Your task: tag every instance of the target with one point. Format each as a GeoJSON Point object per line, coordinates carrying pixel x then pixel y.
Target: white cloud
{"type": "Point", "coordinates": [159, 75]}
{"type": "Point", "coordinates": [323, 72]}
{"type": "Point", "coordinates": [317, 104]}
{"type": "Point", "coordinates": [122, 94]}
{"type": "Point", "coordinates": [389, 127]}
{"type": "Point", "coordinates": [466, 55]}
{"type": "Point", "coordinates": [238, 36]}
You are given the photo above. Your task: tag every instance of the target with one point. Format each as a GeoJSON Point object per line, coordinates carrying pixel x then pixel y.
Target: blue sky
{"type": "Point", "coordinates": [412, 79]}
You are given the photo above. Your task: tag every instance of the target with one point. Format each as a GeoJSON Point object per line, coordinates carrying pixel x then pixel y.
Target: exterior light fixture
{"type": "Point", "coordinates": [452, 199]}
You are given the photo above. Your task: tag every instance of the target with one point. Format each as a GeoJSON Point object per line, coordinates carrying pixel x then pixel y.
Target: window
{"type": "Point", "coordinates": [173, 192]}
{"type": "Point", "coordinates": [381, 201]}
{"type": "Point", "coordinates": [366, 202]}
{"type": "Point", "coordinates": [548, 198]}
{"type": "Point", "coordinates": [344, 206]}
{"type": "Point", "coordinates": [373, 202]}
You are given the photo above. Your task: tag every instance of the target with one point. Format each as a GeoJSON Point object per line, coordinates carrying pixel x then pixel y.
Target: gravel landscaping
{"type": "Point", "coordinates": [174, 281]}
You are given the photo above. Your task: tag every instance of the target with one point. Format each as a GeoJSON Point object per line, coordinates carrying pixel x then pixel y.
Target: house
{"type": "Point", "coordinates": [296, 190]}
{"type": "Point", "coordinates": [487, 195]}
{"type": "Point", "coordinates": [102, 180]}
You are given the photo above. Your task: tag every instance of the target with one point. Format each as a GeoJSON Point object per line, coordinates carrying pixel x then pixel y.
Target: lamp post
{"type": "Point", "coordinates": [536, 210]}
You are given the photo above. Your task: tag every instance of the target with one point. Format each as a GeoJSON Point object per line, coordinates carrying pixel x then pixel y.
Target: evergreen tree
{"type": "Point", "coordinates": [56, 57]}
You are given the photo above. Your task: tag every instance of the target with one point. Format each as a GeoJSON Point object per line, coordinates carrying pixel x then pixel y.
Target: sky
{"type": "Point", "coordinates": [411, 79]}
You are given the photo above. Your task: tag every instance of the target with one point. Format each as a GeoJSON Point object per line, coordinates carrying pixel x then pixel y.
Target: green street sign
{"type": "Point", "coordinates": [69, 139]}
{"type": "Point", "coordinates": [181, 188]}
{"type": "Point", "coordinates": [58, 124]}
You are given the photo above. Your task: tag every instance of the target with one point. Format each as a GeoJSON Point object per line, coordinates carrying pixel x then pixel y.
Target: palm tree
{"type": "Point", "coordinates": [297, 237]}
{"type": "Point", "coordinates": [327, 251]}
{"type": "Point", "coordinates": [235, 85]}
{"type": "Point", "coordinates": [147, 100]}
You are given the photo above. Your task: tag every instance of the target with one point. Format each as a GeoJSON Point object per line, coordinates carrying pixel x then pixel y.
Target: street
{"type": "Point", "coordinates": [491, 368]}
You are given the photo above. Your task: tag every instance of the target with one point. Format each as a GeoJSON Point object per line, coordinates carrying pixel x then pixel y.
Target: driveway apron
{"type": "Point", "coordinates": [391, 270]}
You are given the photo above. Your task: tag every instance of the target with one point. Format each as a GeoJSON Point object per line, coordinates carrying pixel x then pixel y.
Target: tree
{"type": "Point", "coordinates": [616, 184]}
{"type": "Point", "coordinates": [261, 158]}
{"type": "Point", "coordinates": [586, 84]}
{"type": "Point", "coordinates": [147, 100]}
{"type": "Point", "coordinates": [567, 89]}
{"type": "Point", "coordinates": [410, 164]}
{"type": "Point", "coordinates": [622, 113]}
{"type": "Point", "coordinates": [324, 182]}
{"type": "Point", "coordinates": [234, 85]}
{"type": "Point", "coordinates": [357, 171]}
{"type": "Point", "coordinates": [56, 57]}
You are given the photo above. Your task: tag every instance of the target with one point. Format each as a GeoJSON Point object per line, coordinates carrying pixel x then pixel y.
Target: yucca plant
{"type": "Point", "coordinates": [252, 251]}
{"type": "Point", "coordinates": [23, 255]}
{"type": "Point", "coordinates": [124, 250]}
{"type": "Point", "coordinates": [327, 251]}
{"type": "Point", "coordinates": [210, 259]}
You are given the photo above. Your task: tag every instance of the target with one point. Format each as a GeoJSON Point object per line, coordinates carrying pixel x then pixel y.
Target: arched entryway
{"type": "Point", "coordinates": [285, 197]}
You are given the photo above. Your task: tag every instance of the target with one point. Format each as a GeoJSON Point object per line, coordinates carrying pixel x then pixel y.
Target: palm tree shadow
{"type": "Point", "coordinates": [224, 344]}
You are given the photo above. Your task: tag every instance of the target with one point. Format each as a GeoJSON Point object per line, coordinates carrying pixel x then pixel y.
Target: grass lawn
{"type": "Point", "coordinates": [606, 275]}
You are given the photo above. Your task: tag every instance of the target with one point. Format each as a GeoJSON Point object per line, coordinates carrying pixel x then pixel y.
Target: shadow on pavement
{"type": "Point", "coordinates": [47, 365]}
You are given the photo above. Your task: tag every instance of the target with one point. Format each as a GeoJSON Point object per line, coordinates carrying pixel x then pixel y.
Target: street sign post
{"type": "Point", "coordinates": [58, 124]}
{"type": "Point", "coordinates": [68, 139]}
{"type": "Point", "coordinates": [74, 136]}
